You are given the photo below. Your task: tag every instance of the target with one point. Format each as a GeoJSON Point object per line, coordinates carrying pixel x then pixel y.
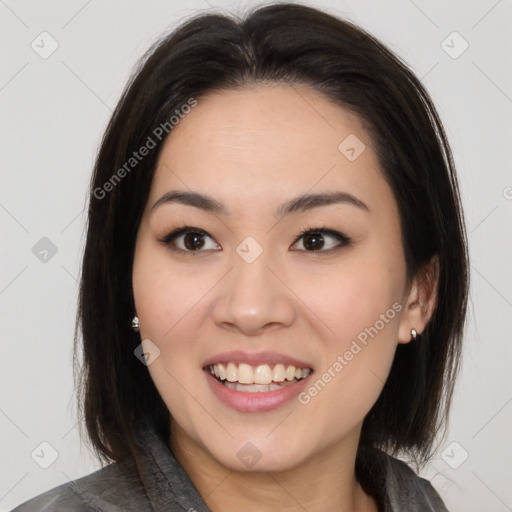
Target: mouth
{"type": "Point", "coordinates": [251, 382]}
{"type": "Point", "coordinates": [248, 378]}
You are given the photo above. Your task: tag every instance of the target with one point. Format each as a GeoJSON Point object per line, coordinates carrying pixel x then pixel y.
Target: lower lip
{"type": "Point", "coordinates": [255, 402]}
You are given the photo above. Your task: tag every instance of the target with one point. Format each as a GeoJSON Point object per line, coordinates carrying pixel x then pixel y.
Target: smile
{"type": "Point", "coordinates": [246, 384]}
{"type": "Point", "coordinates": [256, 379]}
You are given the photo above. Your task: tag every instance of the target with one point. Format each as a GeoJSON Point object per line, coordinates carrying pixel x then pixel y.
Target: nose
{"type": "Point", "coordinates": [254, 297]}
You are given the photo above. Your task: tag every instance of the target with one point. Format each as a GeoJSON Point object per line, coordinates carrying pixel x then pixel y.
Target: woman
{"type": "Point", "coordinates": [275, 279]}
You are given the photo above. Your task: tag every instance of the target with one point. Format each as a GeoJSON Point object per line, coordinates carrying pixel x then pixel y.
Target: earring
{"type": "Point", "coordinates": [414, 334]}
{"type": "Point", "coordinates": [135, 324]}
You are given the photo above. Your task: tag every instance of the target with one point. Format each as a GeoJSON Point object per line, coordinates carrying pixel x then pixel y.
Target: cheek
{"type": "Point", "coordinates": [167, 299]}
{"type": "Point", "coordinates": [359, 311]}
{"type": "Point", "coordinates": [350, 298]}
{"type": "Point", "coordinates": [169, 307]}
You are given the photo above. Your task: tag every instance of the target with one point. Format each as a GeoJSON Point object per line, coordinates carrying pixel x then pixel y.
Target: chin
{"type": "Point", "coordinates": [251, 453]}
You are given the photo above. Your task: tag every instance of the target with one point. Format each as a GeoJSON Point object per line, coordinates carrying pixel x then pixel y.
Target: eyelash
{"type": "Point", "coordinates": [343, 239]}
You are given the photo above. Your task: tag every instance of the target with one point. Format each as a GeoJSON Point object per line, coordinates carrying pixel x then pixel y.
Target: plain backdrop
{"type": "Point", "coordinates": [54, 108]}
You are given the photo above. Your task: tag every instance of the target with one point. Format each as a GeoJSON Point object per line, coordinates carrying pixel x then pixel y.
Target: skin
{"type": "Point", "coordinates": [253, 149]}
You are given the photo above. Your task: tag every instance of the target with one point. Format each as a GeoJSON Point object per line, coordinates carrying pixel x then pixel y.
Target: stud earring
{"type": "Point", "coordinates": [135, 324]}
{"type": "Point", "coordinates": [414, 334]}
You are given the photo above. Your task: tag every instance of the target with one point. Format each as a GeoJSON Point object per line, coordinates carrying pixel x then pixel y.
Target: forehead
{"type": "Point", "coordinates": [266, 143]}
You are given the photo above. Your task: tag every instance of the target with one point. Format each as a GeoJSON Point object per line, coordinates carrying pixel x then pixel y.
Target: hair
{"type": "Point", "coordinates": [290, 44]}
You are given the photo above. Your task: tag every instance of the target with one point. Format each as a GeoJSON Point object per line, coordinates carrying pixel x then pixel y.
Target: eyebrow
{"type": "Point", "coordinates": [298, 204]}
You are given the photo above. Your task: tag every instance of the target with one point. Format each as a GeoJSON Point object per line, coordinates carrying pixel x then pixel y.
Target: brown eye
{"type": "Point", "coordinates": [189, 239]}
{"type": "Point", "coordinates": [313, 241]}
{"type": "Point", "coordinates": [322, 240]}
{"type": "Point", "coordinates": [193, 241]}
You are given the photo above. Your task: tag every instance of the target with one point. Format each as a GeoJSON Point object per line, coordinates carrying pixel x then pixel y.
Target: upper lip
{"type": "Point", "coordinates": [255, 359]}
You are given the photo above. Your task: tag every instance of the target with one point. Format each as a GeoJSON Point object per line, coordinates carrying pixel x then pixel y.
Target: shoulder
{"type": "Point", "coordinates": [113, 488]}
{"type": "Point", "coordinates": [409, 492]}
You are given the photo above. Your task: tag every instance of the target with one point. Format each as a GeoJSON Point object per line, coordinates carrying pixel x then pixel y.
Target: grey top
{"type": "Point", "coordinates": [153, 480]}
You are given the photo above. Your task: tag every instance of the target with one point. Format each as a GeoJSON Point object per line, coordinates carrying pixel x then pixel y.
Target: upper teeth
{"type": "Point", "coordinates": [262, 374]}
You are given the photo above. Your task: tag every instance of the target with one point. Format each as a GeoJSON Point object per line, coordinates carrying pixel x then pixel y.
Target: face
{"type": "Point", "coordinates": [301, 329]}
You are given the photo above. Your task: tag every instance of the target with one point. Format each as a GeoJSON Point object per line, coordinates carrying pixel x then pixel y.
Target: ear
{"type": "Point", "coordinates": [421, 302]}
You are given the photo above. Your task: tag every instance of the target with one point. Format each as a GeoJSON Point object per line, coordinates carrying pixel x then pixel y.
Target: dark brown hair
{"type": "Point", "coordinates": [278, 43]}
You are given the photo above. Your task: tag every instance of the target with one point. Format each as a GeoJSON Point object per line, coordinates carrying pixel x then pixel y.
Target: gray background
{"type": "Point", "coordinates": [53, 112]}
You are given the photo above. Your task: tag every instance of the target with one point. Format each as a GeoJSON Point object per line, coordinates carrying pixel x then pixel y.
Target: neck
{"type": "Point", "coordinates": [324, 482]}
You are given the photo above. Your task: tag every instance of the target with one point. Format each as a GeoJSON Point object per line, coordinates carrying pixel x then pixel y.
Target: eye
{"type": "Point", "coordinates": [314, 240]}
{"type": "Point", "coordinates": [187, 239]}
